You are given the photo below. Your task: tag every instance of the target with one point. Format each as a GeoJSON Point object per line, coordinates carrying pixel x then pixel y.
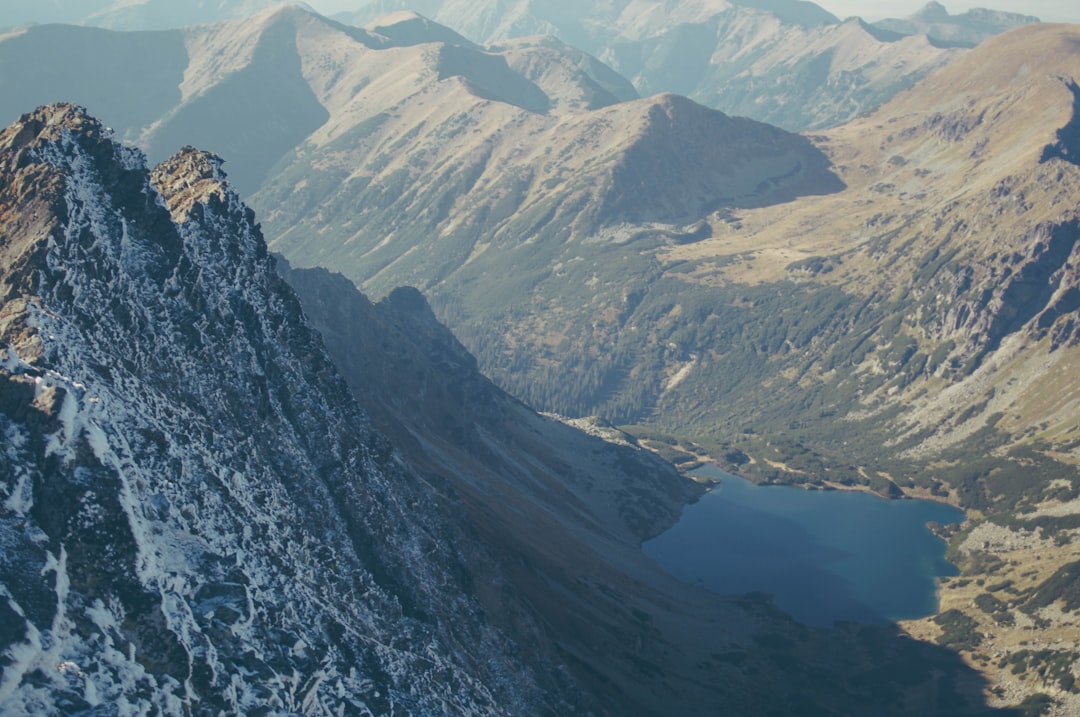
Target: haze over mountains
{"type": "Point", "coordinates": [968, 29]}
{"type": "Point", "coordinates": [128, 14]}
{"type": "Point", "coordinates": [789, 63]}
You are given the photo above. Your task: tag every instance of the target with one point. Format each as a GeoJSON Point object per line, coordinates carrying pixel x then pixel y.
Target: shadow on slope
{"type": "Point", "coordinates": [253, 117]}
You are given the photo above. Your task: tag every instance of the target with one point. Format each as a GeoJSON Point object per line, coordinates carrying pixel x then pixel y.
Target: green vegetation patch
{"type": "Point", "coordinates": [959, 631]}
{"type": "Point", "coordinates": [995, 608]}
{"type": "Point", "coordinates": [1053, 667]}
{"type": "Point", "coordinates": [1063, 585]}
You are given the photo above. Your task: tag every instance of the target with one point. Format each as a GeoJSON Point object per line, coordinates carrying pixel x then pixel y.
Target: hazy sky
{"type": "Point", "coordinates": [1049, 10]}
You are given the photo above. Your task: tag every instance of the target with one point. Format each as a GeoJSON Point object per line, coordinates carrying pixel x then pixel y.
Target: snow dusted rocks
{"type": "Point", "coordinates": [195, 517]}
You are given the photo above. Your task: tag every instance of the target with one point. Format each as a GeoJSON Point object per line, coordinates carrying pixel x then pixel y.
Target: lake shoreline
{"type": "Point", "coordinates": [825, 555]}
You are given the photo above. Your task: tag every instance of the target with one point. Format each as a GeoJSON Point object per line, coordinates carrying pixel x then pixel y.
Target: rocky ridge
{"type": "Point", "coordinates": [257, 89]}
{"type": "Point", "coordinates": [159, 553]}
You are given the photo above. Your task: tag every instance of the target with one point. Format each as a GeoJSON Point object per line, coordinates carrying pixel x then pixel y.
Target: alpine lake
{"type": "Point", "coordinates": [824, 556]}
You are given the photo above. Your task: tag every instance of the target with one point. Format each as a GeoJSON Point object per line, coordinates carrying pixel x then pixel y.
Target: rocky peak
{"type": "Point", "coordinates": [965, 29]}
{"type": "Point", "coordinates": [687, 159]}
{"type": "Point", "coordinates": [932, 12]}
{"type": "Point", "coordinates": [70, 127]}
{"type": "Point", "coordinates": [49, 122]}
{"type": "Point", "coordinates": [65, 177]}
{"type": "Point", "coordinates": [190, 177]}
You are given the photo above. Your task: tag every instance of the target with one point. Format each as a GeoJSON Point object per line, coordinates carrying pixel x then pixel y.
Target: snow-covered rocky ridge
{"type": "Point", "coordinates": [195, 516]}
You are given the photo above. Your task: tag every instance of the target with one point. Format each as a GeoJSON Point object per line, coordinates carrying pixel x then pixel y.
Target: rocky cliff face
{"type": "Point", "coordinates": [565, 511]}
{"type": "Point", "coordinates": [196, 515]}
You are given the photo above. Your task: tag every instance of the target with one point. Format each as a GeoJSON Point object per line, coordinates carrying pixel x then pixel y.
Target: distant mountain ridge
{"type": "Point", "coordinates": [254, 90]}
{"type": "Point", "coordinates": [785, 62]}
{"type": "Point", "coordinates": [788, 63]}
{"type": "Point", "coordinates": [967, 29]}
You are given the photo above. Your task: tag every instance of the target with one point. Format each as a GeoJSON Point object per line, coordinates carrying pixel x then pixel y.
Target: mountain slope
{"type": "Point", "coordinates": [966, 195]}
{"type": "Point", "coordinates": [159, 552]}
{"type": "Point", "coordinates": [540, 490]}
{"type": "Point", "coordinates": [543, 492]}
{"type": "Point", "coordinates": [496, 179]}
{"type": "Point", "coordinates": [421, 386]}
{"type": "Point", "coordinates": [647, 292]}
{"type": "Point", "coordinates": [927, 336]}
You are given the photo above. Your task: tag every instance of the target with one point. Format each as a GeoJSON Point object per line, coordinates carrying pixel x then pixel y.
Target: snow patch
{"type": "Point", "coordinates": [21, 498]}
{"type": "Point", "coordinates": [41, 652]}
{"type": "Point", "coordinates": [681, 374]}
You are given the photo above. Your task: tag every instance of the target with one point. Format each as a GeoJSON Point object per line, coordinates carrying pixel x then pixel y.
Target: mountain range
{"type": "Point", "coordinates": [789, 62]}
{"type": "Point", "coordinates": [596, 261]}
{"type": "Point", "coordinates": [967, 29]}
{"type": "Point", "coordinates": [199, 517]}
{"type": "Point", "coordinates": [887, 304]}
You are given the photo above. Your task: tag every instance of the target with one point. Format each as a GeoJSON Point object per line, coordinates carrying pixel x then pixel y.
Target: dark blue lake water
{"type": "Point", "coordinates": [824, 555]}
